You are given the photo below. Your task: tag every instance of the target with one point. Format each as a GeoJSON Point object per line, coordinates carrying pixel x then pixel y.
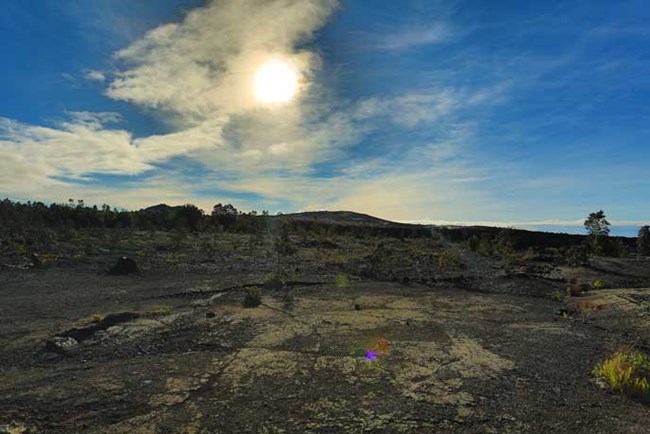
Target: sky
{"type": "Point", "coordinates": [513, 113]}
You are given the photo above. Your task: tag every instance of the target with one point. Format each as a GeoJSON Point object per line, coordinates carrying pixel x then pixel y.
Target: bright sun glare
{"type": "Point", "coordinates": [275, 82]}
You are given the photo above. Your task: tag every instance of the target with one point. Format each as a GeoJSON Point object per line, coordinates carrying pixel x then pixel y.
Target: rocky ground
{"type": "Point", "coordinates": [363, 339]}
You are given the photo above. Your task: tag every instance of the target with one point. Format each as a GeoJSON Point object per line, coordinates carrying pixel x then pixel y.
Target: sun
{"type": "Point", "coordinates": [276, 82]}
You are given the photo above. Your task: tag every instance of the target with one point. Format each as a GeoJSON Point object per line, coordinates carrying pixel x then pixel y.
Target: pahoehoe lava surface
{"type": "Point", "coordinates": [486, 356]}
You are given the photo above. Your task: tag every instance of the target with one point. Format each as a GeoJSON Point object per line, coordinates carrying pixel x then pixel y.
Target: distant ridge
{"type": "Point", "coordinates": [341, 217]}
{"type": "Point", "coordinates": [161, 207]}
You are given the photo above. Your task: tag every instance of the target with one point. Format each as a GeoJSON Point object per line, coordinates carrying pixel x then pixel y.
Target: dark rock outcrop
{"type": "Point", "coordinates": [124, 266]}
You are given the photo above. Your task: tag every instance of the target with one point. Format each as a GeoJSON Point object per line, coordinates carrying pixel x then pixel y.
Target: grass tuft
{"type": "Point", "coordinates": [342, 280]}
{"type": "Point", "coordinates": [627, 373]}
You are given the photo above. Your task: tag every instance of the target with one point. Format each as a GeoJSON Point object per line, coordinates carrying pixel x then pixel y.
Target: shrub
{"type": "Point", "coordinates": [253, 297]}
{"type": "Point", "coordinates": [576, 255]}
{"type": "Point", "coordinates": [530, 254]}
{"type": "Point", "coordinates": [597, 284]}
{"type": "Point", "coordinates": [627, 373]}
{"type": "Point", "coordinates": [473, 243]}
{"type": "Point", "coordinates": [643, 241]}
{"type": "Point", "coordinates": [178, 237]}
{"type": "Point", "coordinates": [613, 248]}
{"type": "Point", "coordinates": [486, 245]}
{"type": "Point", "coordinates": [558, 296]}
{"type": "Point", "coordinates": [574, 289]}
{"type": "Point", "coordinates": [342, 280]}
{"type": "Point", "coordinates": [274, 281]}
{"type": "Point", "coordinates": [448, 261]}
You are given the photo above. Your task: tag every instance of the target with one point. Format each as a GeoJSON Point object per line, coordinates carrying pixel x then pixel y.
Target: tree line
{"type": "Point", "coordinates": [76, 215]}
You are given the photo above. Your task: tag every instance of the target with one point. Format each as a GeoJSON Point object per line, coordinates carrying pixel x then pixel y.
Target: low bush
{"type": "Point", "coordinates": [274, 281]}
{"type": "Point", "coordinates": [342, 280]}
{"type": "Point", "coordinates": [253, 297]}
{"type": "Point", "coordinates": [449, 261]}
{"type": "Point", "coordinates": [627, 373]}
{"type": "Point", "coordinates": [576, 256]}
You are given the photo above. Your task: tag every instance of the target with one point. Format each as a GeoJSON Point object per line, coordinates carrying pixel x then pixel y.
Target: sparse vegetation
{"type": "Point", "coordinates": [627, 373]}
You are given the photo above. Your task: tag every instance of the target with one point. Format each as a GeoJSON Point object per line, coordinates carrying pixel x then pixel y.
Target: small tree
{"type": "Point", "coordinates": [598, 227]}
{"type": "Point", "coordinates": [225, 215]}
{"type": "Point", "coordinates": [283, 248]}
{"type": "Point", "coordinates": [643, 241]}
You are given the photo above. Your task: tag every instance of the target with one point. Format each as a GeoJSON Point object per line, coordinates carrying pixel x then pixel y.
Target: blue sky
{"type": "Point", "coordinates": [530, 114]}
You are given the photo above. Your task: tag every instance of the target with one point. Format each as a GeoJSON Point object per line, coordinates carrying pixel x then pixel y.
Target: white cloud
{"type": "Point", "coordinates": [82, 145]}
{"type": "Point", "coordinates": [200, 72]}
{"type": "Point", "coordinates": [94, 75]}
{"type": "Point", "coordinates": [206, 64]}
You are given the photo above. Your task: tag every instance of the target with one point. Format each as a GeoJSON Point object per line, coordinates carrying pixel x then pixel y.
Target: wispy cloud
{"type": "Point", "coordinates": [413, 37]}
{"type": "Point", "coordinates": [94, 75]}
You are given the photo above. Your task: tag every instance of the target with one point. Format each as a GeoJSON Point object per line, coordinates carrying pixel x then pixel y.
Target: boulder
{"type": "Point", "coordinates": [36, 260]}
{"type": "Point", "coordinates": [124, 266]}
{"type": "Point", "coordinates": [61, 345]}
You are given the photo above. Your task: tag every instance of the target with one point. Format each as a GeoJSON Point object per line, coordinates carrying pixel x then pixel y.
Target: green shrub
{"type": "Point", "coordinates": [253, 297]}
{"type": "Point", "coordinates": [626, 372]}
{"type": "Point", "coordinates": [274, 281]}
{"type": "Point", "coordinates": [473, 243]}
{"type": "Point", "coordinates": [597, 284]}
{"type": "Point", "coordinates": [342, 280]}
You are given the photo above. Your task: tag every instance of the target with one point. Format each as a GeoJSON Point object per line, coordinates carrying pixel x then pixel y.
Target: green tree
{"type": "Point", "coordinates": [643, 241]}
{"type": "Point", "coordinates": [225, 215]}
{"type": "Point", "coordinates": [598, 228]}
